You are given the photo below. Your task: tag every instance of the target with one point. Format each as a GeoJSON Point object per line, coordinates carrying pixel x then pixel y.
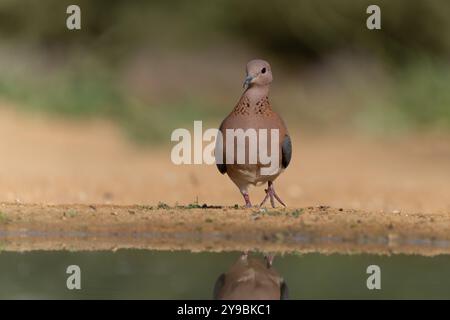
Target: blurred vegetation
{"type": "Point", "coordinates": [156, 65]}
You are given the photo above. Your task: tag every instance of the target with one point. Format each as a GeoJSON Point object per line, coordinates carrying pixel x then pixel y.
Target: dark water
{"type": "Point", "coordinates": [140, 274]}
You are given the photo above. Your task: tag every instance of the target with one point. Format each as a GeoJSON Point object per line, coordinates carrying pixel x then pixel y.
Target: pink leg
{"type": "Point", "coordinates": [269, 260]}
{"type": "Point", "coordinates": [272, 195]}
{"type": "Point", "coordinates": [248, 204]}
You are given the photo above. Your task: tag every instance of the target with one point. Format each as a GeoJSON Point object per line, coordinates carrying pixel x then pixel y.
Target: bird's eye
{"type": "Point", "coordinates": [263, 70]}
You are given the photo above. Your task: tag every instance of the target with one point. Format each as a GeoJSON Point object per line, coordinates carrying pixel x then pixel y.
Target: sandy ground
{"type": "Point", "coordinates": [395, 187]}
{"type": "Point", "coordinates": [322, 229]}
{"type": "Point", "coordinates": [60, 162]}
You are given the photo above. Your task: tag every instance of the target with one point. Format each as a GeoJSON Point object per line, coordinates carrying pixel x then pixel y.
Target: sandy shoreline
{"type": "Point", "coordinates": [25, 227]}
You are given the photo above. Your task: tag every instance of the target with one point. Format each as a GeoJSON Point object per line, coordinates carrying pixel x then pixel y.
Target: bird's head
{"type": "Point", "coordinates": [259, 73]}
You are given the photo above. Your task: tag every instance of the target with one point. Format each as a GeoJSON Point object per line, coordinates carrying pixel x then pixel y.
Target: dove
{"type": "Point", "coordinates": [250, 279]}
{"type": "Point", "coordinates": [254, 111]}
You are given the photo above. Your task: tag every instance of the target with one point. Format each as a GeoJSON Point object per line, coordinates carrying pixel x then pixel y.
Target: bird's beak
{"type": "Point", "coordinates": [247, 81]}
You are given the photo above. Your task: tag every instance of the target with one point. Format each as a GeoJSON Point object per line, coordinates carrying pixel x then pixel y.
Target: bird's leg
{"type": "Point", "coordinates": [265, 198]}
{"type": "Point", "coordinates": [278, 198]}
{"type": "Point", "coordinates": [270, 193]}
{"type": "Point", "coordinates": [269, 260]}
{"type": "Point", "coordinates": [272, 201]}
{"type": "Point", "coordinates": [248, 204]}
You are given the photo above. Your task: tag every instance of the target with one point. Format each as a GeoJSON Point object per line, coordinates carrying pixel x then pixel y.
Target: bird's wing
{"type": "Point", "coordinates": [222, 167]}
{"type": "Point", "coordinates": [218, 286]}
{"type": "Point", "coordinates": [284, 291]}
{"type": "Point", "coordinates": [286, 151]}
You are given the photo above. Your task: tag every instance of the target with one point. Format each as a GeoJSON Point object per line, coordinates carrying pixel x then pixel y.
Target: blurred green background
{"type": "Point", "coordinates": [141, 274]}
{"type": "Point", "coordinates": [152, 66]}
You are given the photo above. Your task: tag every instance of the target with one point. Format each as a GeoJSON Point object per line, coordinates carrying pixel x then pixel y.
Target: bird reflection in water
{"type": "Point", "coordinates": [251, 278]}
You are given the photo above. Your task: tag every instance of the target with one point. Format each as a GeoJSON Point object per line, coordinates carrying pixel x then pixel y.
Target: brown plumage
{"type": "Point", "coordinates": [250, 279]}
{"type": "Point", "coordinates": [254, 111]}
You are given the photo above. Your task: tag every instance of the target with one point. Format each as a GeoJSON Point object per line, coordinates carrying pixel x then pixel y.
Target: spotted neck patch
{"type": "Point", "coordinates": [243, 106]}
{"type": "Point", "coordinates": [263, 106]}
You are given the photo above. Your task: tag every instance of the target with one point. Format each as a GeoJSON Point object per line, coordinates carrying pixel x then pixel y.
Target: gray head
{"type": "Point", "coordinates": [259, 73]}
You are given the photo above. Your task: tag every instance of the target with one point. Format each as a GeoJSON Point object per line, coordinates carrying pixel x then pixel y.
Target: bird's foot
{"type": "Point", "coordinates": [272, 195]}
{"type": "Point", "coordinates": [269, 260]}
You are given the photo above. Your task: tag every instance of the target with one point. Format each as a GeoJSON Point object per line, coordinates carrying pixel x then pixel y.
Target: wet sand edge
{"type": "Point", "coordinates": [26, 227]}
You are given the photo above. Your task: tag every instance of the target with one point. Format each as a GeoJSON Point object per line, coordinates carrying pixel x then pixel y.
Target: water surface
{"type": "Point", "coordinates": [144, 274]}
